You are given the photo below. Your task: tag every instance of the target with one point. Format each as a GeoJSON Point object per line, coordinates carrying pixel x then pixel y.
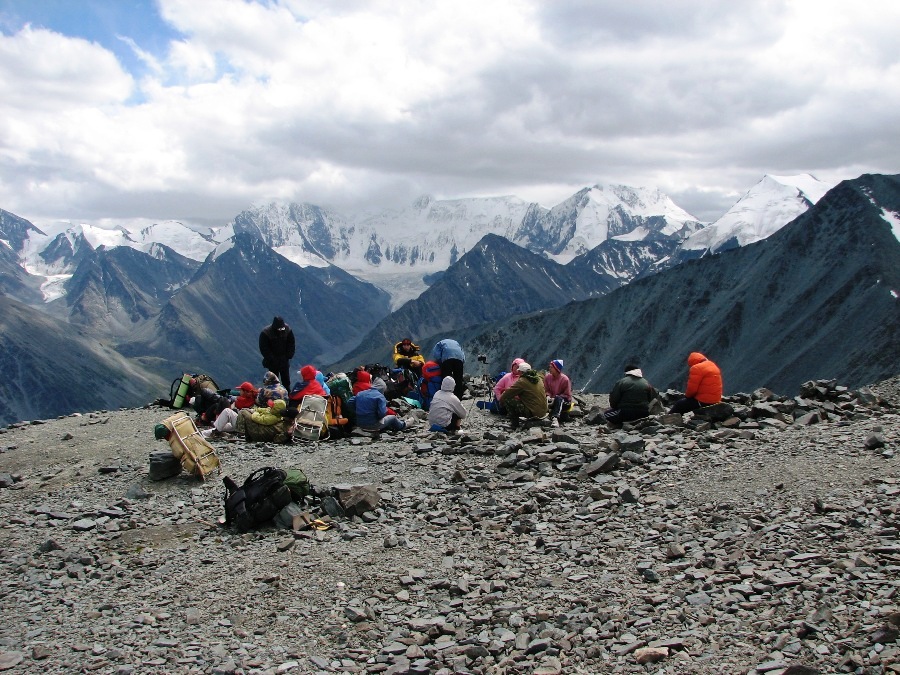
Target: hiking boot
{"type": "Point", "coordinates": [554, 423]}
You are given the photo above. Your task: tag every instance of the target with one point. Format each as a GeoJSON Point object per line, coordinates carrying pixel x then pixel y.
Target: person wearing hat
{"type": "Point", "coordinates": [446, 411]}
{"type": "Point", "coordinates": [526, 397]}
{"type": "Point", "coordinates": [630, 397]}
{"type": "Point", "coordinates": [247, 396]}
{"type": "Point", "coordinates": [276, 344]}
{"type": "Point", "coordinates": [559, 390]}
{"type": "Point", "coordinates": [272, 390]}
{"type": "Point", "coordinates": [407, 349]}
{"type": "Point", "coordinates": [308, 386]}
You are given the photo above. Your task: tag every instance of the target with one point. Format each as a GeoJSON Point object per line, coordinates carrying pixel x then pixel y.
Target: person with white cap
{"type": "Point", "coordinates": [559, 390]}
{"type": "Point", "coordinates": [446, 411]}
{"type": "Point", "coordinates": [526, 397]}
{"type": "Point", "coordinates": [630, 398]}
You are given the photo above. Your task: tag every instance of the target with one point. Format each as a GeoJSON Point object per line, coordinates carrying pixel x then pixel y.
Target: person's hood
{"type": "Point", "coordinates": [514, 367]}
{"type": "Point", "coordinates": [448, 384]}
{"type": "Point", "coordinates": [364, 377]}
{"type": "Point", "coordinates": [270, 378]}
{"type": "Point", "coordinates": [278, 323]}
{"type": "Point", "coordinates": [636, 372]}
{"type": "Point", "coordinates": [531, 375]}
{"type": "Point", "coordinates": [695, 357]}
{"type": "Point", "coordinates": [308, 373]}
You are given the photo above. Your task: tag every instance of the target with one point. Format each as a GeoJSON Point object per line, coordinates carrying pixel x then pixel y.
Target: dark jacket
{"type": "Point", "coordinates": [632, 391]}
{"type": "Point", "coordinates": [276, 344]}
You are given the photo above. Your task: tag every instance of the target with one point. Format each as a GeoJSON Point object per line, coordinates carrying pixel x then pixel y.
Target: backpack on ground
{"type": "Point", "coordinates": [258, 500]}
{"type": "Point", "coordinates": [297, 482]}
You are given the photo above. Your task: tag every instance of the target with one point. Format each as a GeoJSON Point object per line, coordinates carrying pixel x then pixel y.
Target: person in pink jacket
{"type": "Point", "coordinates": [502, 385]}
{"type": "Point", "coordinates": [559, 390]}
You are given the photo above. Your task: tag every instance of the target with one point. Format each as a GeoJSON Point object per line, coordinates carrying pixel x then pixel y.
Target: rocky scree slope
{"type": "Point", "coordinates": [767, 543]}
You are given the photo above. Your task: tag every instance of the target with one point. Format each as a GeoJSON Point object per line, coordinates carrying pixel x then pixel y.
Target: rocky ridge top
{"type": "Point", "coordinates": [765, 543]}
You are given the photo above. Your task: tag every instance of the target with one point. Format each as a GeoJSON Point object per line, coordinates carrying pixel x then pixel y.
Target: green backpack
{"type": "Point", "coordinates": [298, 484]}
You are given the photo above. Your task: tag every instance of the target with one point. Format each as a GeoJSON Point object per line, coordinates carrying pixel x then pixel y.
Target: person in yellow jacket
{"type": "Point", "coordinates": [407, 349]}
{"type": "Point", "coordinates": [270, 414]}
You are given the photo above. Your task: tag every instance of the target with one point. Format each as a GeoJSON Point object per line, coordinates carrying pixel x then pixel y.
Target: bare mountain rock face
{"type": "Point", "coordinates": [111, 290]}
{"type": "Point", "coordinates": [213, 323]}
{"type": "Point", "coordinates": [818, 297]}
{"type": "Point", "coordinates": [495, 280]}
{"type": "Point", "coordinates": [50, 368]}
{"type": "Point", "coordinates": [760, 543]}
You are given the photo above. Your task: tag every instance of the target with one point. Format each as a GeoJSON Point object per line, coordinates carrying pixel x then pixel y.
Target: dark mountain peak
{"type": "Point", "coordinates": [15, 230]}
{"type": "Point", "coordinates": [67, 249]}
{"type": "Point", "coordinates": [819, 298]}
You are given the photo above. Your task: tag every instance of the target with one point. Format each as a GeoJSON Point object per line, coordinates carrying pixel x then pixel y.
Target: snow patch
{"type": "Point", "coordinates": [894, 220]}
{"type": "Point", "coordinates": [54, 286]}
{"type": "Point", "coordinates": [301, 257]}
{"type": "Point", "coordinates": [222, 248]}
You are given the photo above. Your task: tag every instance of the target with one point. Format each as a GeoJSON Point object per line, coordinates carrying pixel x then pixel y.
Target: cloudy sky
{"type": "Point", "coordinates": [194, 109]}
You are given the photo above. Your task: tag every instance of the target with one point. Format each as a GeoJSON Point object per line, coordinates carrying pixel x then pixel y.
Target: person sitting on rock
{"type": "Point", "coordinates": [446, 412]}
{"type": "Point", "coordinates": [630, 397]}
{"type": "Point", "coordinates": [559, 391]}
{"type": "Point", "coordinates": [504, 382]}
{"type": "Point", "coordinates": [407, 349]}
{"type": "Point", "coordinates": [526, 397]}
{"type": "Point", "coordinates": [308, 386]}
{"type": "Point", "coordinates": [362, 382]}
{"type": "Point", "coordinates": [247, 396]}
{"type": "Point", "coordinates": [271, 390]}
{"type": "Point", "coordinates": [208, 404]}
{"type": "Point", "coordinates": [372, 413]}
{"type": "Point", "coordinates": [704, 385]}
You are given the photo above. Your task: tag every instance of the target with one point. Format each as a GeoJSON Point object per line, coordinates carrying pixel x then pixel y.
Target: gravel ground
{"type": "Point", "coordinates": [755, 546]}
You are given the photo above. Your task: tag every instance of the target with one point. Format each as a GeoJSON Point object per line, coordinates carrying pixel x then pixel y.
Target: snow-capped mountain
{"type": "Point", "coordinates": [763, 210]}
{"type": "Point", "coordinates": [397, 249]}
{"type": "Point", "coordinates": [603, 212]}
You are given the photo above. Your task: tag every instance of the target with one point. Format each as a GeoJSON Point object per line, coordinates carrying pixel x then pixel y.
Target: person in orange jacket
{"type": "Point", "coordinates": [704, 385]}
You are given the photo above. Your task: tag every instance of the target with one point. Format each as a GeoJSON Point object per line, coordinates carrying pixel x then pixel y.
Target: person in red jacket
{"type": "Point", "coordinates": [308, 386]}
{"type": "Point", "coordinates": [704, 385]}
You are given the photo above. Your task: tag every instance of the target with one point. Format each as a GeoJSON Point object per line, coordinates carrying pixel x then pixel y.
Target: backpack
{"type": "Point", "coordinates": [258, 500]}
{"type": "Point", "coordinates": [430, 383]}
{"type": "Point", "coordinates": [340, 386]}
{"type": "Point", "coordinates": [338, 425]}
{"type": "Point", "coordinates": [297, 482]}
{"type": "Point", "coordinates": [181, 389]}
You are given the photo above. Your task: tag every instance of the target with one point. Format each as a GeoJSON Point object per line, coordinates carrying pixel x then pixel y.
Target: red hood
{"type": "Point", "coordinates": [695, 357]}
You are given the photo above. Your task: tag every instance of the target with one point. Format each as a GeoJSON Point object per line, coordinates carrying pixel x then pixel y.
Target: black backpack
{"type": "Point", "coordinates": [257, 501]}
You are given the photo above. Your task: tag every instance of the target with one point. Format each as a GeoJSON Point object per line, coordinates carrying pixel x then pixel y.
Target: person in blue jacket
{"type": "Point", "coordinates": [372, 412]}
{"type": "Point", "coordinates": [451, 358]}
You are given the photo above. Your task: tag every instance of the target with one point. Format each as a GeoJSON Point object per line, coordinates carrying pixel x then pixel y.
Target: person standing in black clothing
{"type": "Point", "coordinates": [276, 344]}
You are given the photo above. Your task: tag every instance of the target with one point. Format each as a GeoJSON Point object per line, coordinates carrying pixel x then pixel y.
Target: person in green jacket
{"type": "Point", "coordinates": [630, 397]}
{"type": "Point", "coordinates": [526, 397]}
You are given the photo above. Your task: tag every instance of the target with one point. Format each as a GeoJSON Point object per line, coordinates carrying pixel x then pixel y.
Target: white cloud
{"type": "Point", "coordinates": [338, 103]}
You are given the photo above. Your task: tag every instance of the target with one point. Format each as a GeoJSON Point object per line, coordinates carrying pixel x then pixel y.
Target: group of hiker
{"type": "Point", "coordinates": [437, 385]}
